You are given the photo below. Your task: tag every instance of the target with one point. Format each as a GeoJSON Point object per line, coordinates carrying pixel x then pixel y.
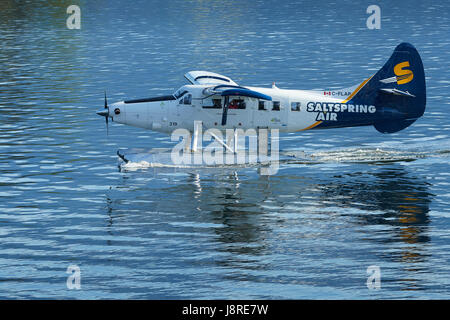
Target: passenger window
{"type": "Point", "coordinates": [276, 105]}
{"type": "Point", "coordinates": [261, 105]}
{"type": "Point", "coordinates": [295, 106]}
{"type": "Point", "coordinates": [216, 104]}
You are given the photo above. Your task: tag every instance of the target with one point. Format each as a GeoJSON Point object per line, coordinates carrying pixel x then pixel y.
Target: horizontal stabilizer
{"type": "Point", "coordinates": [398, 92]}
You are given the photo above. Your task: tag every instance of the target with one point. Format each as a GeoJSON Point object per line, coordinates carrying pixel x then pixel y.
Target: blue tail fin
{"type": "Point", "coordinates": [397, 90]}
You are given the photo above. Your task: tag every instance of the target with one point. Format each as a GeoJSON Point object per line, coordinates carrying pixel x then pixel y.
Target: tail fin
{"type": "Point", "coordinates": [397, 90]}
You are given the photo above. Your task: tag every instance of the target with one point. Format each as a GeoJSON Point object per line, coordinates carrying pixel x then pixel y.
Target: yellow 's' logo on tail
{"type": "Point", "coordinates": [403, 75]}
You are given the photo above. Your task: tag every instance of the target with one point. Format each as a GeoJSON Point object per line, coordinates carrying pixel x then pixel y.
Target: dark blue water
{"type": "Point", "coordinates": [310, 231]}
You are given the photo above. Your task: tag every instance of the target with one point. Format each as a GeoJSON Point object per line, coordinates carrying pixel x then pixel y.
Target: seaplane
{"type": "Point", "coordinates": [390, 100]}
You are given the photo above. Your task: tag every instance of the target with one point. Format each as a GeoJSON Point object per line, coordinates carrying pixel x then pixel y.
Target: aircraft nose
{"type": "Point", "coordinates": [103, 112]}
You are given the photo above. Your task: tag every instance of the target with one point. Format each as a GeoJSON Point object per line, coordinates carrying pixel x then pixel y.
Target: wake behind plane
{"type": "Point", "coordinates": [390, 100]}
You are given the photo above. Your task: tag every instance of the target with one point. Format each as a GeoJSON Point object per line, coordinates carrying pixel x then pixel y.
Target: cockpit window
{"type": "Point", "coordinates": [179, 93]}
{"type": "Point", "coordinates": [187, 99]}
{"type": "Point", "coordinates": [213, 104]}
{"type": "Point", "coordinates": [237, 104]}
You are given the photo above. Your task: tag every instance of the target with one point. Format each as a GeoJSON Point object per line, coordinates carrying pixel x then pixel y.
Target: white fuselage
{"type": "Point", "coordinates": [288, 111]}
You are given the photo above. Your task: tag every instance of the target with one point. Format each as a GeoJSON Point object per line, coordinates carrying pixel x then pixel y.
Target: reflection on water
{"type": "Point", "coordinates": [397, 198]}
{"type": "Point", "coordinates": [244, 220]}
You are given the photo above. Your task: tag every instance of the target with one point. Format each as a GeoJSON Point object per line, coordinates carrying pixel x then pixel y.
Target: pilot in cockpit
{"type": "Point", "coordinates": [233, 104]}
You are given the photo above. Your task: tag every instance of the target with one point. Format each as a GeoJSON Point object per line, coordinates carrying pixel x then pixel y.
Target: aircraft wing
{"type": "Point", "coordinates": [246, 93]}
{"type": "Point", "coordinates": [230, 90]}
{"type": "Point", "coordinates": [206, 77]}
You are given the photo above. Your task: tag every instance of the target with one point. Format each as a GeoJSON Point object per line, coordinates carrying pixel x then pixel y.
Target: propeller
{"type": "Point", "coordinates": [107, 116]}
{"type": "Point", "coordinates": [105, 113]}
{"type": "Point", "coordinates": [225, 110]}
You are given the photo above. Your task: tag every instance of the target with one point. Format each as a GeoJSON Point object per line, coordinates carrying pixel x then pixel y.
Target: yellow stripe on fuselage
{"type": "Point", "coordinates": [345, 101]}
{"type": "Point", "coordinates": [311, 126]}
{"type": "Point", "coordinates": [357, 90]}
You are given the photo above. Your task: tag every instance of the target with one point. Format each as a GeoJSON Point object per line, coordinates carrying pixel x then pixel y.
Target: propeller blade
{"type": "Point", "coordinates": [105, 113]}
{"type": "Point", "coordinates": [225, 110]}
{"type": "Point", "coordinates": [107, 128]}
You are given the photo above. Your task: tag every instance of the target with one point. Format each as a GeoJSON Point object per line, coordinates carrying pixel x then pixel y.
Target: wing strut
{"type": "Point", "coordinates": [225, 110]}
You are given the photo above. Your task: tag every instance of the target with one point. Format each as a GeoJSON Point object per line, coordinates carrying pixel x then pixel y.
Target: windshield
{"type": "Point", "coordinates": [179, 93]}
